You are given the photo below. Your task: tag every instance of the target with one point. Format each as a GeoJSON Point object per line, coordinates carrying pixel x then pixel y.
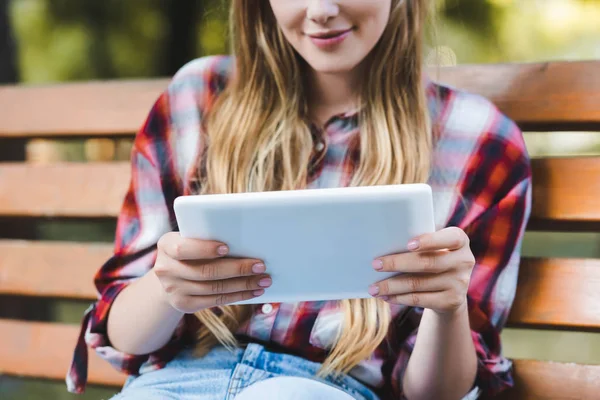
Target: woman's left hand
{"type": "Point", "coordinates": [435, 273]}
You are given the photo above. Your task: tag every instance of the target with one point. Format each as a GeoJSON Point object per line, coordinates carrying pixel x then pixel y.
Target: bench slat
{"type": "Point", "coordinates": [550, 292]}
{"type": "Point", "coordinates": [63, 190]}
{"type": "Point", "coordinates": [44, 350]}
{"type": "Point", "coordinates": [51, 269]}
{"type": "Point", "coordinates": [565, 189]}
{"type": "Point", "coordinates": [542, 380]}
{"type": "Point", "coordinates": [539, 96]}
{"type": "Point", "coordinates": [91, 108]}
{"type": "Point", "coordinates": [558, 293]}
{"type": "Point", "coordinates": [51, 346]}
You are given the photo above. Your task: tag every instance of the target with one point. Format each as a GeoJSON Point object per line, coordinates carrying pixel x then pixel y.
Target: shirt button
{"type": "Point", "coordinates": [267, 308]}
{"type": "Point", "coordinates": [320, 146]}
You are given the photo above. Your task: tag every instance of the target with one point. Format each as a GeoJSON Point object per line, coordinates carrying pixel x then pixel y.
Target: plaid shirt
{"type": "Point", "coordinates": [481, 182]}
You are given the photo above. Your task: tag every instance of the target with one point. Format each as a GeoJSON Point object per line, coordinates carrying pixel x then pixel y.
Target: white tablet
{"type": "Point", "coordinates": [317, 244]}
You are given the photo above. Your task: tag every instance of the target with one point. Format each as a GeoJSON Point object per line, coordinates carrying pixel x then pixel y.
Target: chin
{"type": "Point", "coordinates": [332, 65]}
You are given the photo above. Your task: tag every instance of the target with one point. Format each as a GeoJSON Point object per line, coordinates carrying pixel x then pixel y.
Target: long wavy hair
{"type": "Point", "coordinates": [259, 139]}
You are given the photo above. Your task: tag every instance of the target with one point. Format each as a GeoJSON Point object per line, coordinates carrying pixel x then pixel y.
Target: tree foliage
{"type": "Point", "coordinates": [100, 39]}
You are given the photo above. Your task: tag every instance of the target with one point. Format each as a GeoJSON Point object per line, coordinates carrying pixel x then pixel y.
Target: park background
{"type": "Point", "coordinates": [52, 41]}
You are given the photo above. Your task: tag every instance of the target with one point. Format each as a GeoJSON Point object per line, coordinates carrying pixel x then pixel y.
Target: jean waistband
{"type": "Point", "coordinates": [257, 356]}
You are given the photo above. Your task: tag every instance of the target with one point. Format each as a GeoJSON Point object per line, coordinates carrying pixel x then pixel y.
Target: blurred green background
{"type": "Point", "coordinates": [50, 41]}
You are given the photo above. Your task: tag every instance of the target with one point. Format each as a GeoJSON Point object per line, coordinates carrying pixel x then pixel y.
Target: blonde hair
{"type": "Point", "coordinates": [259, 140]}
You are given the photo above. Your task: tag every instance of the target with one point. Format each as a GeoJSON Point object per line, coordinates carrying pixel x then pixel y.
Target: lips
{"type": "Point", "coordinates": [329, 34]}
{"type": "Point", "coordinates": [329, 39]}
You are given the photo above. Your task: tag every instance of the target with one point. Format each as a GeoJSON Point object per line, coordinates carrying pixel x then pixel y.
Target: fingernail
{"type": "Point", "coordinates": [383, 298]}
{"type": "Point", "coordinates": [259, 268]}
{"type": "Point", "coordinates": [222, 250]}
{"type": "Point", "coordinates": [374, 290]}
{"type": "Point", "coordinates": [258, 292]}
{"type": "Point", "coordinates": [265, 282]}
{"type": "Point", "coordinates": [378, 265]}
{"type": "Point", "coordinates": [413, 245]}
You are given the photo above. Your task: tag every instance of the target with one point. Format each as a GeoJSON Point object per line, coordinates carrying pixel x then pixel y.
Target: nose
{"type": "Point", "coordinates": [322, 11]}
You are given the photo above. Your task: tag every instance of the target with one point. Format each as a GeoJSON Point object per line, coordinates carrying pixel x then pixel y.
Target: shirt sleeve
{"type": "Point", "coordinates": [145, 215]}
{"type": "Point", "coordinates": [493, 211]}
{"type": "Point", "coordinates": [163, 161]}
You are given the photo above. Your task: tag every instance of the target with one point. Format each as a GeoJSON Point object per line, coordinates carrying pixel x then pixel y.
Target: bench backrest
{"type": "Point", "coordinates": [552, 293]}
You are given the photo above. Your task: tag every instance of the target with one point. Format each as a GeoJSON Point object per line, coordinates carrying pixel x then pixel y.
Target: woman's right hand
{"type": "Point", "coordinates": [194, 274]}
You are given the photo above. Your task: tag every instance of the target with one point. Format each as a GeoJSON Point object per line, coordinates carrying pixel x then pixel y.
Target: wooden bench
{"type": "Point", "coordinates": [561, 294]}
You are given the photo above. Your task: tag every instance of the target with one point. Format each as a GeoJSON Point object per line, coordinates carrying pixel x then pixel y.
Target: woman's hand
{"type": "Point", "coordinates": [435, 273]}
{"type": "Point", "coordinates": [194, 274]}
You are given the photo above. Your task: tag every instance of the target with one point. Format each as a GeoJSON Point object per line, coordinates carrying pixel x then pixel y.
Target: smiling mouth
{"type": "Point", "coordinates": [329, 40]}
{"type": "Point", "coordinates": [329, 34]}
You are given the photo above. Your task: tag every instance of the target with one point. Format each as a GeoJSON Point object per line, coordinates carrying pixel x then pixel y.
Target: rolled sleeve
{"type": "Point", "coordinates": [493, 211]}
{"type": "Point", "coordinates": [163, 160]}
{"type": "Point", "coordinates": [144, 217]}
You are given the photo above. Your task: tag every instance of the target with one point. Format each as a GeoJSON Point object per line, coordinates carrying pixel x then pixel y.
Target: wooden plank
{"type": "Point", "coordinates": [539, 96]}
{"type": "Point", "coordinates": [566, 188]}
{"type": "Point", "coordinates": [558, 293]}
{"type": "Point", "coordinates": [542, 380]}
{"type": "Point", "coordinates": [91, 108]}
{"type": "Point", "coordinates": [63, 190]}
{"type": "Point", "coordinates": [50, 269]}
{"type": "Point", "coordinates": [44, 350]}
{"type": "Point", "coordinates": [551, 292]}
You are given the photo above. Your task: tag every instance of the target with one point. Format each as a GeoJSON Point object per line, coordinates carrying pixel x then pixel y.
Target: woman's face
{"type": "Point", "coordinates": [332, 35]}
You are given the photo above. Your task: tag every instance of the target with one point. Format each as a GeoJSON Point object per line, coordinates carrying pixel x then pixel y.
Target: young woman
{"type": "Point", "coordinates": [319, 93]}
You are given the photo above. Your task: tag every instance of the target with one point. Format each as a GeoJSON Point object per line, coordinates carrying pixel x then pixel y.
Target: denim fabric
{"type": "Point", "coordinates": [224, 374]}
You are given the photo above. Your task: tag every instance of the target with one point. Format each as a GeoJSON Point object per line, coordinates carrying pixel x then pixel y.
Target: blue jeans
{"type": "Point", "coordinates": [223, 375]}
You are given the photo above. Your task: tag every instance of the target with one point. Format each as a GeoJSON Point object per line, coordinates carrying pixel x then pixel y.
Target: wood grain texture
{"type": "Point", "coordinates": [51, 269]}
{"type": "Point", "coordinates": [44, 350]}
{"type": "Point", "coordinates": [63, 190]}
{"type": "Point", "coordinates": [566, 188]}
{"type": "Point", "coordinates": [541, 380]}
{"type": "Point", "coordinates": [538, 96]}
{"type": "Point", "coordinates": [51, 346]}
{"type": "Point", "coordinates": [90, 108]}
{"type": "Point", "coordinates": [559, 293]}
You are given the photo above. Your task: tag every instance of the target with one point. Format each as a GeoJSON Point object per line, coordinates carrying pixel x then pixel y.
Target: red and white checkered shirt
{"type": "Point", "coordinates": [481, 181]}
